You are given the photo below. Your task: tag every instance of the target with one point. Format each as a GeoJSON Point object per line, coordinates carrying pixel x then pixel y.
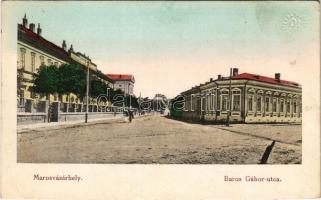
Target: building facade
{"type": "Point", "coordinates": [124, 82]}
{"type": "Point", "coordinates": [33, 51]}
{"type": "Point", "coordinates": [245, 98]}
{"type": "Point", "coordinates": [86, 62]}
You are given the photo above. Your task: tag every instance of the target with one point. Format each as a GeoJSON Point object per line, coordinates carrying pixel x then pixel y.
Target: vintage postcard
{"type": "Point", "coordinates": [160, 100]}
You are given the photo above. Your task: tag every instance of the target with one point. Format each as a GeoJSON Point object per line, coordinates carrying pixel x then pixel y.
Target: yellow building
{"type": "Point", "coordinates": [34, 51]}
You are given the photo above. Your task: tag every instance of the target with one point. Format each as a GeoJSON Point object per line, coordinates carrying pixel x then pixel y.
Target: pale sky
{"type": "Point", "coordinates": [171, 46]}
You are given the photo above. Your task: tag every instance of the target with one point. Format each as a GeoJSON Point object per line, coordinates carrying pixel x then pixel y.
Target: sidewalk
{"type": "Point", "coordinates": [59, 125]}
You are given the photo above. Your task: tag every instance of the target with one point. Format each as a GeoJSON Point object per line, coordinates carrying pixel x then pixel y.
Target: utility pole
{"type": "Point", "coordinates": [108, 94]}
{"type": "Point", "coordinates": [229, 100]}
{"type": "Point", "coordinates": [87, 93]}
{"type": "Point", "coordinates": [130, 97]}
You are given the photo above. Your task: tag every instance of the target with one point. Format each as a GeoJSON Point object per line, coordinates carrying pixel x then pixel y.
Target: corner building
{"type": "Point", "coordinates": [249, 98]}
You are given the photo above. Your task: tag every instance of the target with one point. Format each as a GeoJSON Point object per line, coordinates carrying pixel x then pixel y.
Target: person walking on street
{"type": "Point", "coordinates": [130, 115]}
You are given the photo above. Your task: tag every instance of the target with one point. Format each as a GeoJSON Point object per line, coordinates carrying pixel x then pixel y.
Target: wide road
{"type": "Point", "coordinates": [156, 139]}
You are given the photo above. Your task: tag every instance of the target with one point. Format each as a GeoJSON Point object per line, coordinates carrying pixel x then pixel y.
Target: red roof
{"type": "Point", "coordinates": [37, 38]}
{"type": "Point", "coordinates": [265, 79]}
{"type": "Point", "coordinates": [123, 77]}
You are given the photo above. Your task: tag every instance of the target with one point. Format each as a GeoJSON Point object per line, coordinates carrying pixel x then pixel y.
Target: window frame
{"type": "Point", "coordinates": [33, 62]}
{"type": "Point", "coordinates": [259, 96]}
{"type": "Point", "coordinates": [226, 104]}
{"type": "Point", "coordinates": [23, 58]}
{"type": "Point", "coordinates": [233, 103]}
{"type": "Point", "coordinates": [42, 60]}
{"type": "Point", "coordinates": [267, 104]}
{"type": "Point", "coordinates": [282, 105]}
{"type": "Point", "coordinates": [250, 108]}
{"type": "Point", "coordinates": [274, 107]}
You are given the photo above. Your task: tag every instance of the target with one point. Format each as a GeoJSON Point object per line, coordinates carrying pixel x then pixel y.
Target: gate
{"type": "Point", "coordinates": [53, 112]}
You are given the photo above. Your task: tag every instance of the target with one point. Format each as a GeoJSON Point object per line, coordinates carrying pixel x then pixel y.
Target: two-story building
{"type": "Point", "coordinates": [124, 82]}
{"type": "Point", "coordinates": [33, 51]}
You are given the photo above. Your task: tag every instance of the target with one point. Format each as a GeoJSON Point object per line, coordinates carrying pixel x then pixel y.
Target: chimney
{"type": "Point", "coordinates": [25, 21]}
{"type": "Point", "coordinates": [32, 27]}
{"type": "Point", "coordinates": [235, 71]}
{"type": "Point", "coordinates": [71, 49]}
{"type": "Point", "coordinates": [277, 76]}
{"type": "Point", "coordinates": [211, 79]}
{"type": "Point", "coordinates": [64, 45]}
{"type": "Point", "coordinates": [39, 29]}
{"type": "Point", "coordinates": [219, 77]}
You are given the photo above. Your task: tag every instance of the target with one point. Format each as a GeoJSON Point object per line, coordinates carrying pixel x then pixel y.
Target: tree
{"type": "Point", "coordinates": [97, 87]}
{"type": "Point", "coordinates": [46, 81]}
{"type": "Point", "coordinates": [72, 79]}
{"type": "Point", "coordinates": [132, 101]}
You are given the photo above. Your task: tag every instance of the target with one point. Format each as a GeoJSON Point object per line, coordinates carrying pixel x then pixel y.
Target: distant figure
{"type": "Point", "coordinates": [130, 115]}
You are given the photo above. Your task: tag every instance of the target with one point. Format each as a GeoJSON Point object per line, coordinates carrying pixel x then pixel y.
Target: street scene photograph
{"type": "Point", "coordinates": [161, 82]}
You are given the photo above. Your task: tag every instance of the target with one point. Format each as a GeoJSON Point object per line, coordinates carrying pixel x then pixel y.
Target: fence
{"type": "Point", "coordinates": [41, 112]}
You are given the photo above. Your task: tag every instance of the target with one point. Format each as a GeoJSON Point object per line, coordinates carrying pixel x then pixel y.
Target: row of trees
{"type": "Point", "coordinates": [71, 79]}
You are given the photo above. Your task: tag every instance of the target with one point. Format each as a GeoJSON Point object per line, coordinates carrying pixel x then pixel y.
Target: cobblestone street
{"type": "Point", "coordinates": [156, 139]}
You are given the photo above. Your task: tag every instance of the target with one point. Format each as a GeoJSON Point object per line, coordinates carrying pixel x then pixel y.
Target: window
{"type": "Point", "coordinates": [22, 96]}
{"type": "Point", "coordinates": [56, 64]}
{"type": "Point", "coordinates": [267, 104]}
{"type": "Point", "coordinates": [225, 103]}
{"type": "Point", "coordinates": [288, 106]}
{"type": "Point", "coordinates": [33, 56]}
{"type": "Point", "coordinates": [192, 103]}
{"type": "Point", "coordinates": [202, 103]}
{"type": "Point", "coordinates": [213, 101]}
{"type": "Point", "coordinates": [42, 60]}
{"type": "Point", "coordinates": [282, 105]}
{"type": "Point", "coordinates": [236, 102]}
{"type": "Point", "coordinates": [49, 62]}
{"type": "Point", "coordinates": [209, 102]}
{"type": "Point", "coordinates": [250, 103]}
{"type": "Point", "coordinates": [294, 107]}
{"type": "Point", "coordinates": [23, 57]}
{"type": "Point", "coordinates": [259, 104]}
{"type": "Point", "coordinates": [274, 105]}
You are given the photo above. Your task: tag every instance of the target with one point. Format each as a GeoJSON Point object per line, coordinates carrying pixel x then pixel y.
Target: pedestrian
{"type": "Point", "coordinates": [130, 115]}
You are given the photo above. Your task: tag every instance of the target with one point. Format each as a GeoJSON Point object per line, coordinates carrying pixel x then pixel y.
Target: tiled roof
{"type": "Point", "coordinates": [26, 35]}
{"type": "Point", "coordinates": [265, 79]}
{"type": "Point", "coordinates": [124, 77]}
